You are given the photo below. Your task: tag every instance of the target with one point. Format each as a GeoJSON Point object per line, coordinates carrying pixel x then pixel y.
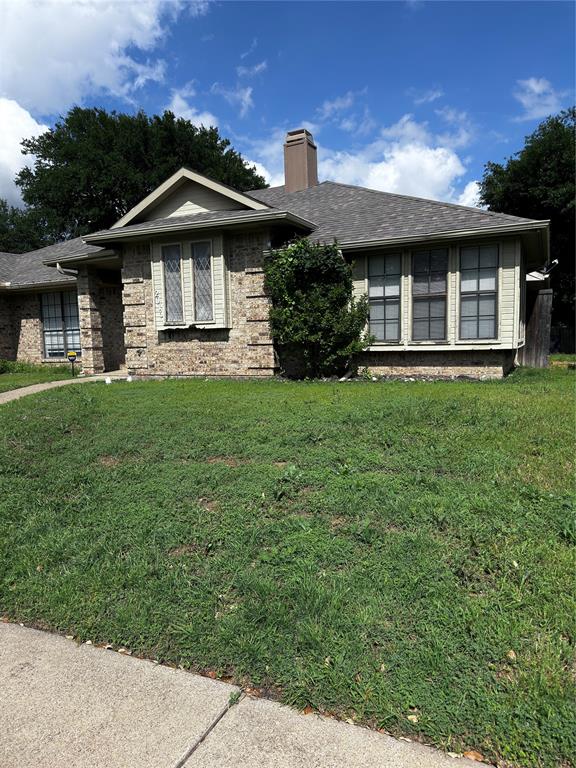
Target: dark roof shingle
{"type": "Point", "coordinates": [356, 214]}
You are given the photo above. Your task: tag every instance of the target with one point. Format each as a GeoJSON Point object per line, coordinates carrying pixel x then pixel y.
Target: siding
{"type": "Point", "coordinates": [509, 285]}
{"type": "Point", "coordinates": [190, 198]}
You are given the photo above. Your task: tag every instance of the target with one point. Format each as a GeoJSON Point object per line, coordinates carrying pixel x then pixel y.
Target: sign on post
{"type": "Point", "coordinates": [72, 356]}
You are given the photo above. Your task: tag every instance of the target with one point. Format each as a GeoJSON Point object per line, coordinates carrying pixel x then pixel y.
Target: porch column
{"type": "Point", "coordinates": [90, 322]}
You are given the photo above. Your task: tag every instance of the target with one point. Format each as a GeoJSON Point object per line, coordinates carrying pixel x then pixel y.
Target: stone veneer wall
{"type": "Point", "coordinates": [243, 349]}
{"type": "Point", "coordinates": [101, 322]}
{"type": "Point", "coordinates": [478, 364]}
{"type": "Point", "coordinates": [21, 328]}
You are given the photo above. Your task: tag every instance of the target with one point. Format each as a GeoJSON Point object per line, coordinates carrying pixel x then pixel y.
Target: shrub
{"type": "Point", "coordinates": [316, 323]}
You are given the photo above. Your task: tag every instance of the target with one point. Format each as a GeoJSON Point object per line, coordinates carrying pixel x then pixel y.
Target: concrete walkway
{"type": "Point", "coordinates": [16, 394]}
{"type": "Point", "coordinates": [64, 704]}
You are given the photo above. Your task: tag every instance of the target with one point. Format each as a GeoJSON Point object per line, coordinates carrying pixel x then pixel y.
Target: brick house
{"type": "Point", "coordinates": [176, 285]}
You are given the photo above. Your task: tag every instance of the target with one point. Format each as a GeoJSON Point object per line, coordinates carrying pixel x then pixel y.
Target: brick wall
{"type": "Point", "coordinates": [480, 364]}
{"type": "Point", "coordinates": [243, 349]}
{"type": "Point", "coordinates": [26, 343]}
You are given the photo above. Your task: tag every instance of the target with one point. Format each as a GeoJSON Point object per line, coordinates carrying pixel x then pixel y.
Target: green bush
{"type": "Point", "coordinates": [317, 325]}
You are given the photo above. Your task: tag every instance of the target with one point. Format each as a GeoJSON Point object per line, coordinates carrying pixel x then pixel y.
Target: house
{"type": "Point", "coordinates": [176, 286]}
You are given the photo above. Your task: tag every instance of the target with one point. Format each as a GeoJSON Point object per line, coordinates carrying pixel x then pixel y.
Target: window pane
{"type": "Point", "coordinates": [54, 343]}
{"type": "Point", "coordinates": [487, 280]}
{"type": "Point", "coordinates": [375, 265]}
{"type": "Point", "coordinates": [392, 331]}
{"type": "Point", "coordinates": [421, 309]}
{"type": "Point", "coordinates": [377, 330]}
{"type": "Point", "coordinates": [376, 310]}
{"type": "Point", "coordinates": [468, 258]}
{"type": "Point", "coordinates": [468, 329]}
{"type": "Point", "coordinates": [469, 280]}
{"type": "Point", "coordinates": [439, 260]}
{"type": "Point", "coordinates": [420, 330]}
{"type": "Point", "coordinates": [487, 305]}
{"type": "Point", "coordinates": [392, 286]}
{"type": "Point", "coordinates": [392, 309]}
{"type": "Point", "coordinates": [438, 282]}
{"type": "Point", "coordinates": [52, 311]}
{"type": "Point", "coordinates": [420, 261]}
{"type": "Point", "coordinates": [420, 285]}
{"type": "Point", "coordinates": [469, 306]}
{"type": "Point", "coordinates": [202, 281]}
{"type": "Point", "coordinates": [437, 328]}
{"type": "Point", "coordinates": [486, 329]}
{"type": "Point", "coordinates": [488, 255]}
{"type": "Point", "coordinates": [376, 287]}
{"type": "Point", "coordinates": [393, 264]}
{"type": "Point", "coordinates": [437, 307]}
{"type": "Point", "coordinates": [73, 342]}
{"type": "Point", "coordinates": [173, 283]}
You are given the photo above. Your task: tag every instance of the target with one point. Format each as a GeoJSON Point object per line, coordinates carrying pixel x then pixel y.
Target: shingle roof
{"type": "Point", "coordinates": [356, 214]}
{"type": "Point", "coordinates": [22, 269]}
{"type": "Point", "coordinates": [181, 222]}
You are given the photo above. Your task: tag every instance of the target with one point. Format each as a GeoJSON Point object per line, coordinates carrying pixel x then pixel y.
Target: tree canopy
{"type": "Point", "coordinates": [21, 229]}
{"type": "Point", "coordinates": [538, 182]}
{"type": "Point", "coordinates": [94, 165]}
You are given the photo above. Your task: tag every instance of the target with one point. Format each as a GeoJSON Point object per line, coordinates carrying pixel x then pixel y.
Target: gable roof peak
{"type": "Point", "coordinates": [179, 177]}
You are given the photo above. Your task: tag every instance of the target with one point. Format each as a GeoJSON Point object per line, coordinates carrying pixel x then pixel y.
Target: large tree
{"type": "Point", "coordinates": [538, 182]}
{"type": "Point", "coordinates": [21, 229]}
{"type": "Point", "coordinates": [93, 165]}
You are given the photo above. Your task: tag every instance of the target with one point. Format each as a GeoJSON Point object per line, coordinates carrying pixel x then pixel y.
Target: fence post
{"type": "Point", "coordinates": [537, 345]}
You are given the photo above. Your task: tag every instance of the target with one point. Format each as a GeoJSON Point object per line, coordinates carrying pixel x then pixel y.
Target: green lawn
{"type": "Point", "coordinates": [401, 554]}
{"type": "Point", "coordinates": [16, 375]}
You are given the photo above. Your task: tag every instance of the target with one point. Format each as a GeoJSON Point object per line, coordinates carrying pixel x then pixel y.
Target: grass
{"type": "Point", "coordinates": [401, 554]}
{"type": "Point", "coordinates": [563, 358]}
{"type": "Point", "coordinates": [15, 375]}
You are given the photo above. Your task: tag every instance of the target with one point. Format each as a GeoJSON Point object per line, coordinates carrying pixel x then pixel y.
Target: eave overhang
{"type": "Point", "coordinates": [260, 217]}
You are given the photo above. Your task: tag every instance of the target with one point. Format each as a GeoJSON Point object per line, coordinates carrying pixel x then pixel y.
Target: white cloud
{"type": "Point", "coordinates": [426, 97]}
{"type": "Point", "coordinates": [16, 124]}
{"type": "Point", "coordinates": [405, 158]}
{"type": "Point", "coordinates": [181, 106]}
{"type": "Point", "coordinates": [332, 107]}
{"type": "Point", "coordinates": [250, 49]}
{"type": "Point", "coordinates": [56, 52]}
{"type": "Point", "coordinates": [461, 123]}
{"type": "Point", "coordinates": [240, 96]}
{"type": "Point", "coordinates": [537, 97]}
{"type": "Point", "coordinates": [470, 195]}
{"type": "Point", "coordinates": [252, 71]}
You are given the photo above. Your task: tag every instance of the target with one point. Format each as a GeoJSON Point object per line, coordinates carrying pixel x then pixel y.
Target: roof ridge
{"type": "Point", "coordinates": [427, 200]}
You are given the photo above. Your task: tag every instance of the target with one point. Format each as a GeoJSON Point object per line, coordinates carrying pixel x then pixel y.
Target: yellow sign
{"type": "Point", "coordinates": [72, 356]}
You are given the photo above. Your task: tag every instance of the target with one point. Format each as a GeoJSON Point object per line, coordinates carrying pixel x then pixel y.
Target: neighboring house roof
{"type": "Point", "coordinates": [19, 270]}
{"type": "Point", "coordinates": [356, 215]}
{"type": "Point", "coordinates": [200, 220]}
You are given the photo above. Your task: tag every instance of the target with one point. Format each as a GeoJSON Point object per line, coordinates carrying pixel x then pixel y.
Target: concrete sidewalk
{"type": "Point", "coordinates": [64, 704]}
{"type": "Point", "coordinates": [16, 394]}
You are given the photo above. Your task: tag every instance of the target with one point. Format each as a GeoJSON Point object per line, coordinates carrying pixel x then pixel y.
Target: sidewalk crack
{"type": "Point", "coordinates": [190, 751]}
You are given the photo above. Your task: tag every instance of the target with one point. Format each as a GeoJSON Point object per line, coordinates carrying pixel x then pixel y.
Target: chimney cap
{"type": "Point", "coordinates": [298, 134]}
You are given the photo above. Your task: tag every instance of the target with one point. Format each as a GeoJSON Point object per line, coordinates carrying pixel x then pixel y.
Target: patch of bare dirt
{"type": "Point", "coordinates": [230, 461]}
{"type": "Point", "coordinates": [109, 461]}
{"type": "Point", "coordinates": [208, 504]}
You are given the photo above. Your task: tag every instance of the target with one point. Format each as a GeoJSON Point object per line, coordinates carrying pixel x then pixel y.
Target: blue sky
{"type": "Point", "coordinates": [410, 97]}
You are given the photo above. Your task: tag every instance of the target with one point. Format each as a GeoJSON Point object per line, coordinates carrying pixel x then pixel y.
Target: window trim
{"type": "Point", "coordinates": [45, 356]}
{"type": "Point", "coordinates": [429, 296]}
{"type": "Point", "coordinates": [186, 260]}
{"type": "Point", "coordinates": [497, 293]}
{"type": "Point", "coordinates": [395, 252]}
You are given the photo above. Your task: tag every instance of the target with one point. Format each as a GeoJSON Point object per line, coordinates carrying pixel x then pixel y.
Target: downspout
{"type": "Point", "coordinates": [66, 272]}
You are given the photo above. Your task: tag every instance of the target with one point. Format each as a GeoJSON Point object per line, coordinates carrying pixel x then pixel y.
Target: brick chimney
{"type": "Point", "coordinates": [300, 163]}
